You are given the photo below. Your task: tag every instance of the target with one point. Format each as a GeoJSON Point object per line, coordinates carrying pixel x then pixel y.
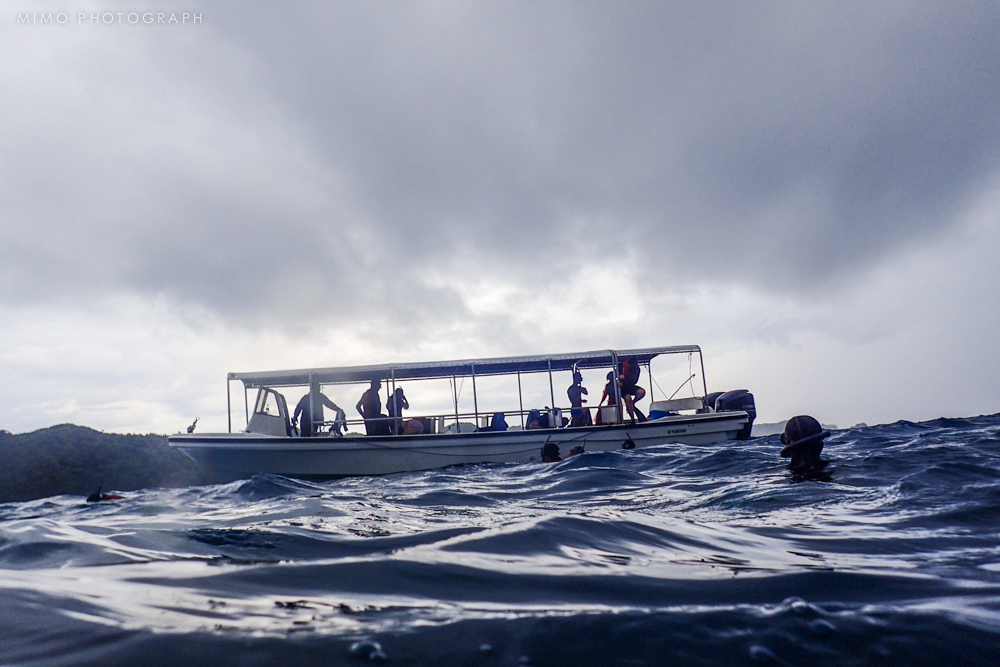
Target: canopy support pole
{"type": "Point", "coordinates": [397, 422]}
{"type": "Point", "coordinates": [704, 382]}
{"type": "Point", "coordinates": [618, 390]}
{"type": "Point", "coordinates": [454, 392]}
{"type": "Point", "coordinates": [552, 391]}
{"type": "Point", "coordinates": [229, 407]}
{"type": "Point", "coordinates": [475, 400]}
{"type": "Point", "coordinates": [520, 401]}
{"type": "Point", "coordinates": [313, 399]}
{"type": "Point", "coordinates": [649, 372]}
{"type": "Point", "coordinates": [246, 405]}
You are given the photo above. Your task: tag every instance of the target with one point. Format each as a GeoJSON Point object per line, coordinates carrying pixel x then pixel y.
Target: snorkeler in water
{"type": "Point", "coordinates": [97, 496]}
{"type": "Point", "coordinates": [550, 453]}
{"type": "Point", "coordinates": [803, 444]}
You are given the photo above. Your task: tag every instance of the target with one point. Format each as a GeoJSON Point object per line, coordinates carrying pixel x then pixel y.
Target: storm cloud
{"type": "Point", "coordinates": [428, 171]}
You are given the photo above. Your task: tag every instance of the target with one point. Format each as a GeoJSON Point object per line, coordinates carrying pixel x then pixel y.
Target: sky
{"type": "Point", "coordinates": [808, 191]}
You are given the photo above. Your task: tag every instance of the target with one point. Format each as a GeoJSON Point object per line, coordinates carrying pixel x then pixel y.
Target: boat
{"type": "Point", "coordinates": [271, 443]}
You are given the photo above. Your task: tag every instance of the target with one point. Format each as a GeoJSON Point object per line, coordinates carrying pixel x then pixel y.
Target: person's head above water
{"type": "Point", "coordinates": [801, 428]}
{"type": "Point", "coordinates": [803, 442]}
{"type": "Point", "coordinates": [550, 453]}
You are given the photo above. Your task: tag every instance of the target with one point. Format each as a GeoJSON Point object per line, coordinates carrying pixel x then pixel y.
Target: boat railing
{"type": "Point", "coordinates": [481, 421]}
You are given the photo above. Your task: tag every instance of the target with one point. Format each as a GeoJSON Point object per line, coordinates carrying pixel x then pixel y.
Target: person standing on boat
{"type": "Point", "coordinates": [578, 416]}
{"type": "Point", "coordinates": [370, 407]}
{"type": "Point", "coordinates": [628, 376]}
{"type": "Point", "coordinates": [395, 406]}
{"type": "Point", "coordinates": [309, 420]}
{"type": "Point", "coordinates": [609, 394]}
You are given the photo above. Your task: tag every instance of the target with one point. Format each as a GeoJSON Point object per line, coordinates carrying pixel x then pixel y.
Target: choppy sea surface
{"type": "Point", "coordinates": [672, 555]}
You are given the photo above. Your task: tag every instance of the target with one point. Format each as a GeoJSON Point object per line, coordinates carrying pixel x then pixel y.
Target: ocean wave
{"type": "Point", "coordinates": [696, 555]}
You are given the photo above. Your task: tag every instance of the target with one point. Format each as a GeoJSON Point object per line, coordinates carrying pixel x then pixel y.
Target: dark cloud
{"type": "Point", "coordinates": [809, 141]}
{"type": "Point", "coordinates": [342, 162]}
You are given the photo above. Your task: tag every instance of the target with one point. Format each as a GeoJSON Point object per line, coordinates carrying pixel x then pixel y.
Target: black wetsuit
{"type": "Point", "coordinates": [395, 405]}
{"type": "Point", "coordinates": [578, 416]}
{"type": "Point", "coordinates": [306, 425]}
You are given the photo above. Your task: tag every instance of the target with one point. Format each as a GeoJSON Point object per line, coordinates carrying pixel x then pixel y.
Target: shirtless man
{"type": "Point", "coordinates": [578, 416]}
{"type": "Point", "coordinates": [370, 407]}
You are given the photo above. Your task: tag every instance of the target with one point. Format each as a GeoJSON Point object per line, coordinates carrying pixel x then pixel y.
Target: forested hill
{"type": "Point", "coordinates": [68, 459]}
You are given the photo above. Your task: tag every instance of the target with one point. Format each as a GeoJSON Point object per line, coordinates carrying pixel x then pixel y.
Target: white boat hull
{"type": "Point", "coordinates": [248, 453]}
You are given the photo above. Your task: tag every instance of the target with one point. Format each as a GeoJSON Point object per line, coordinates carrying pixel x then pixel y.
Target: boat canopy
{"type": "Point", "coordinates": [461, 368]}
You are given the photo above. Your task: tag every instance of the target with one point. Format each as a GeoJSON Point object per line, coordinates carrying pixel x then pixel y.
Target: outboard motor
{"type": "Point", "coordinates": [710, 401]}
{"type": "Point", "coordinates": [739, 399]}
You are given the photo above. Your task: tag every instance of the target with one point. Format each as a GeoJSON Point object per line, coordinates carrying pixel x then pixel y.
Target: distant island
{"type": "Point", "coordinates": [762, 430]}
{"type": "Point", "coordinates": [75, 460]}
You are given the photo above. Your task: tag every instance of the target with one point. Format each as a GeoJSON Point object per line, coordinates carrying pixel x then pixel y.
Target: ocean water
{"type": "Point", "coordinates": [672, 555]}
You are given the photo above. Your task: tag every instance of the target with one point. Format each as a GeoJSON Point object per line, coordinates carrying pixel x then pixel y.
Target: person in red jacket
{"type": "Point", "coordinates": [631, 392]}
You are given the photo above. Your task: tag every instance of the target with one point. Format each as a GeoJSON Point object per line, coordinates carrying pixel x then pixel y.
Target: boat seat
{"type": "Point", "coordinates": [676, 405]}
